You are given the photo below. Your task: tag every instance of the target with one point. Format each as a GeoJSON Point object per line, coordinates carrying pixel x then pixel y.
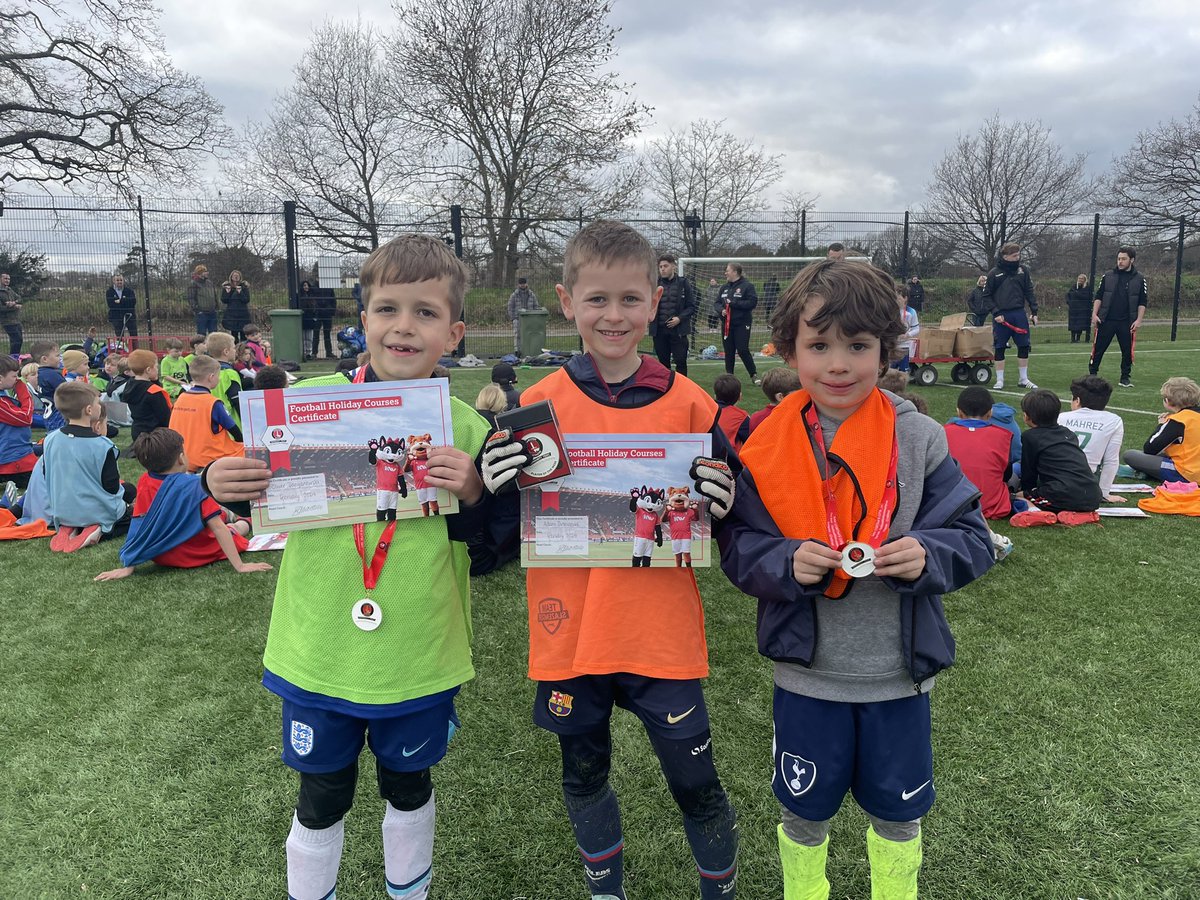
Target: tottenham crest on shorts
{"type": "Point", "coordinates": [560, 703]}
{"type": "Point", "coordinates": [302, 738]}
{"type": "Point", "coordinates": [797, 773]}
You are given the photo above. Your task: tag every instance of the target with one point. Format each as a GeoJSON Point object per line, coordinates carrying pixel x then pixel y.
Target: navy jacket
{"type": "Point", "coordinates": [949, 523]}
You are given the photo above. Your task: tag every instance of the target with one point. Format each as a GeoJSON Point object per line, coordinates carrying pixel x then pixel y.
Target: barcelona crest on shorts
{"type": "Point", "coordinates": [560, 703]}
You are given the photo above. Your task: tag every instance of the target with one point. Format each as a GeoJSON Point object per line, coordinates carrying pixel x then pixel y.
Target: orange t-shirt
{"type": "Point", "coordinates": [599, 621]}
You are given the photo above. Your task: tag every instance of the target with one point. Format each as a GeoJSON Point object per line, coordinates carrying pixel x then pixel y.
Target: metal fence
{"type": "Point", "coordinates": [72, 246]}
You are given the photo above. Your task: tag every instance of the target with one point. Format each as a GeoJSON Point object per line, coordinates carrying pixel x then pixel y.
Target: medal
{"type": "Point", "coordinates": [367, 615]}
{"type": "Point", "coordinates": [858, 559]}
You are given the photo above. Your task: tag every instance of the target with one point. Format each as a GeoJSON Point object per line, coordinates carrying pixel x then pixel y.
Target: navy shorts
{"type": "Point", "coordinates": [320, 741]}
{"type": "Point", "coordinates": [1002, 334]}
{"type": "Point", "coordinates": [671, 708]}
{"type": "Point", "coordinates": [880, 752]}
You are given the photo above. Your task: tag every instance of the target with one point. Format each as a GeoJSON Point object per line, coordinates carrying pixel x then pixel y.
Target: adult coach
{"type": "Point", "coordinates": [202, 300]}
{"type": "Point", "coordinates": [122, 309]}
{"type": "Point", "coordinates": [1118, 310]}
{"type": "Point", "coordinates": [673, 323]}
{"type": "Point", "coordinates": [1008, 289]}
{"type": "Point", "coordinates": [10, 313]}
{"type": "Point", "coordinates": [735, 305]}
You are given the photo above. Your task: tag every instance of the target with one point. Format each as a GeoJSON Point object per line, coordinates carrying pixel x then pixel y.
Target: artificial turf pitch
{"type": "Point", "coordinates": [141, 754]}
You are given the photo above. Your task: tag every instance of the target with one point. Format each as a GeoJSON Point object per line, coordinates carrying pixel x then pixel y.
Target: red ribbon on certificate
{"type": "Point", "coordinates": [550, 499]}
{"type": "Point", "coordinates": [276, 416]}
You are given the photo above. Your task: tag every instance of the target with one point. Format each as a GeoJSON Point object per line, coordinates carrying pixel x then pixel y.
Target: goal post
{"type": "Point", "coordinates": [770, 275]}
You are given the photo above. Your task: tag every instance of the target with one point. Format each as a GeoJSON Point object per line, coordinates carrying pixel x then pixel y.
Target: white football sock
{"type": "Point", "coordinates": [313, 857]}
{"type": "Point", "coordinates": [408, 851]}
{"type": "Point", "coordinates": [1024, 370]}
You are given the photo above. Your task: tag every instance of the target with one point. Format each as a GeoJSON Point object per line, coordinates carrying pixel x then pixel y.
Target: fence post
{"type": "Point", "coordinates": [145, 270]}
{"type": "Point", "coordinates": [1178, 278]}
{"type": "Point", "coordinates": [1095, 254]}
{"type": "Point", "coordinates": [289, 241]}
{"type": "Point", "coordinates": [904, 251]}
{"type": "Point", "coordinates": [456, 229]}
{"type": "Point", "coordinates": [803, 232]}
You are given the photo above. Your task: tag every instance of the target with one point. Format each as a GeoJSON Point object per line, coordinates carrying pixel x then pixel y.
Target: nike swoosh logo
{"type": "Point", "coordinates": [672, 720]}
{"type": "Point", "coordinates": [908, 795]}
{"type": "Point", "coordinates": [407, 752]}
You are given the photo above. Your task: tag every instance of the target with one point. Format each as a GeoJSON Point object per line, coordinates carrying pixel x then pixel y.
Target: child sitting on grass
{"type": "Point", "coordinates": [49, 360]}
{"type": "Point", "coordinates": [1099, 431]}
{"type": "Point", "coordinates": [981, 448]}
{"type": "Point", "coordinates": [734, 420]}
{"type": "Point", "coordinates": [149, 405]}
{"type": "Point", "coordinates": [87, 500]}
{"type": "Point", "coordinates": [776, 384]}
{"type": "Point", "coordinates": [75, 365]}
{"type": "Point", "coordinates": [1173, 452]}
{"type": "Point", "coordinates": [17, 457]}
{"type": "Point", "coordinates": [1055, 475]}
{"type": "Point", "coordinates": [207, 429]}
{"type": "Point", "coordinates": [172, 369]}
{"type": "Point", "coordinates": [222, 348]}
{"type": "Point", "coordinates": [175, 523]}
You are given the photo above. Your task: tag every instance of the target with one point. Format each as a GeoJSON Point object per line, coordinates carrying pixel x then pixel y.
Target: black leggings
{"type": "Point", "coordinates": [738, 340]}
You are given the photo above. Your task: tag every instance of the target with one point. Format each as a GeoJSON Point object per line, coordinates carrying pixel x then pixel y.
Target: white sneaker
{"type": "Point", "coordinates": [999, 385]}
{"type": "Point", "coordinates": [1001, 546]}
{"type": "Point", "coordinates": [1026, 383]}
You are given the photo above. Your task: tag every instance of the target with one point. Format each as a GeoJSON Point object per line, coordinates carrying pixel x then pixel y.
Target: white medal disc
{"type": "Point", "coordinates": [544, 454]}
{"type": "Point", "coordinates": [367, 615]}
{"type": "Point", "coordinates": [858, 559]}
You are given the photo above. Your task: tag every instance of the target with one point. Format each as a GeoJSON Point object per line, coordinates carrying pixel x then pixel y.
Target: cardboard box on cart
{"type": "Point", "coordinates": [973, 341]}
{"type": "Point", "coordinates": [935, 342]}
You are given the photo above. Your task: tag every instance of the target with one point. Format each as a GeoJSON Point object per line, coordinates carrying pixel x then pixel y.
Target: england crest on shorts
{"type": "Point", "coordinates": [797, 773]}
{"type": "Point", "coordinates": [302, 738]}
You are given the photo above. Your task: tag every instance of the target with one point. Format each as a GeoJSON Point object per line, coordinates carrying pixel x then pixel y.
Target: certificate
{"type": "Point", "coordinates": [347, 453]}
{"type": "Point", "coordinates": [628, 502]}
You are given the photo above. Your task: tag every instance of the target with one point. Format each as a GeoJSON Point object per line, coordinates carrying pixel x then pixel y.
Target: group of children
{"type": "Point", "coordinates": [847, 569]}
{"type": "Point", "coordinates": [71, 477]}
{"type": "Point", "coordinates": [841, 510]}
{"type": "Point", "coordinates": [1062, 467]}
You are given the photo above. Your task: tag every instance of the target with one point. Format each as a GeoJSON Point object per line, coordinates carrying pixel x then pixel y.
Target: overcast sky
{"type": "Point", "coordinates": [861, 98]}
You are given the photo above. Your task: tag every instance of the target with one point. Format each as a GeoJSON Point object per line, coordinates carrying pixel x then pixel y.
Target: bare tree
{"type": "Point", "coordinates": [336, 141]}
{"type": "Point", "coordinates": [1008, 173]}
{"type": "Point", "coordinates": [795, 206]}
{"type": "Point", "coordinates": [527, 123]}
{"type": "Point", "coordinates": [928, 250]}
{"type": "Point", "coordinates": [93, 98]}
{"type": "Point", "coordinates": [707, 171]}
{"type": "Point", "coordinates": [1159, 177]}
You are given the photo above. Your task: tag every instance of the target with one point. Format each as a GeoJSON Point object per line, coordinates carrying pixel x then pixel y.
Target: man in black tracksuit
{"type": "Point", "coordinates": [1007, 290]}
{"type": "Point", "coordinates": [736, 305]}
{"type": "Point", "coordinates": [673, 323]}
{"type": "Point", "coordinates": [1117, 311]}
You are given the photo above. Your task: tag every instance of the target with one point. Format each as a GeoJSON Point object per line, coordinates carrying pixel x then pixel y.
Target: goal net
{"type": "Point", "coordinates": [770, 276]}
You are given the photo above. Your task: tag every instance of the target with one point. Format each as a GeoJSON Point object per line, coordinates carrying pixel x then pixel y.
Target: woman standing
{"type": "Point", "coordinates": [1079, 310]}
{"type": "Point", "coordinates": [237, 305]}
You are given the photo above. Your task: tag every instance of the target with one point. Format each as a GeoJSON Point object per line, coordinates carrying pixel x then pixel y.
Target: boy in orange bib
{"type": "Point", "coordinates": [849, 520]}
{"type": "Point", "coordinates": [631, 637]}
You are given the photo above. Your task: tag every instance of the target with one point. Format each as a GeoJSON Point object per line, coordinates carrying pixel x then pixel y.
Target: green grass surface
{"type": "Point", "coordinates": [141, 753]}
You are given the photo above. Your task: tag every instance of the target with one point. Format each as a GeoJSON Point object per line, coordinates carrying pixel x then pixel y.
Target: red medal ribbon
{"type": "Point", "coordinates": [276, 412]}
{"type": "Point", "coordinates": [378, 557]}
{"type": "Point", "coordinates": [887, 502]}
